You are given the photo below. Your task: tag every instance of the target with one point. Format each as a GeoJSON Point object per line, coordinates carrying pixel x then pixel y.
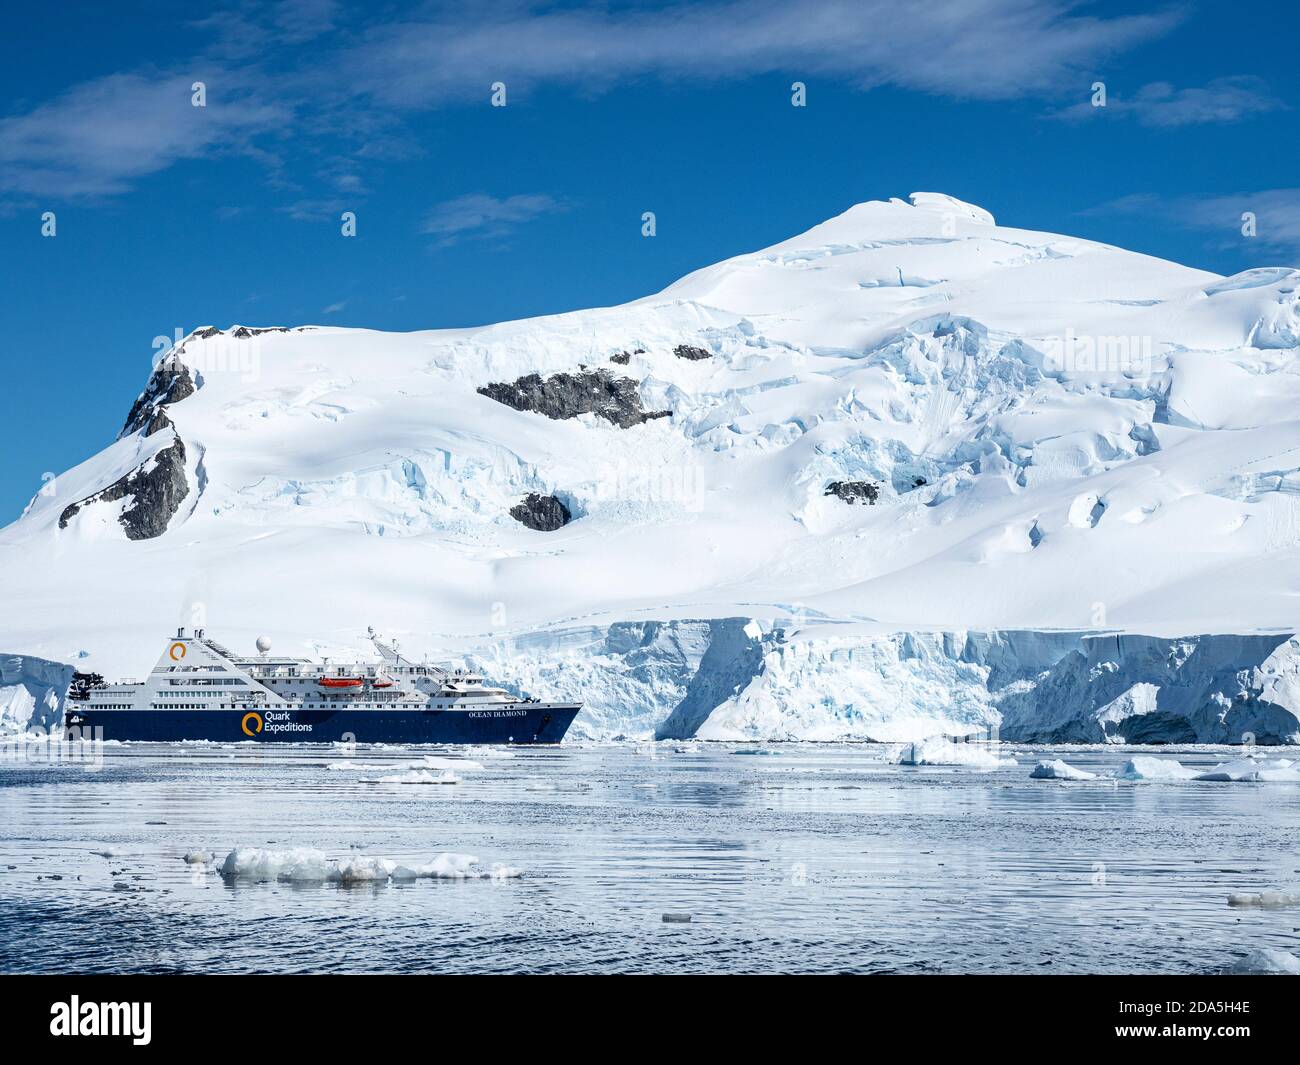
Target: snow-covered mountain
{"type": "Point", "coordinates": [907, 424]}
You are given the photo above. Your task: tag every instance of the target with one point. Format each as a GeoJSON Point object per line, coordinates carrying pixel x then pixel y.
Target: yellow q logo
{"type": "Point", "coordinates": [256, 719]}
{"type": "Point", "coordinates": [177, 651]}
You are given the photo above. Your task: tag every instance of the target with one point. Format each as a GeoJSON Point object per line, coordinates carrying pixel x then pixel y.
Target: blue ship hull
{"type": "Point", "coordinates": [518, 723]}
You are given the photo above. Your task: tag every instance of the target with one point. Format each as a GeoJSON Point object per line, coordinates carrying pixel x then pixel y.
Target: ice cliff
{"type": "Point", "coordinates": [728, 679]}
{"type": "Point", "coordinates": [32, 693]}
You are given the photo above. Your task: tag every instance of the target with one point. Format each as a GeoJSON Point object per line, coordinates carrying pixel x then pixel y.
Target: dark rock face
{"type": "Point", "coordinates": [244, 331]}
{"type": "Point", "coordinates": [685, 351]}
{"type": "Point", "coordinates": [169, 383]}
{"type": "Point", "coordinates": [542, 513]}
{"type": "Point", "coordinates": [566, 395]}
{"type": "Point", "coordinates": [622, 358]}
{"type": "Point", "coordinates": [854, 491]}
{"type": "Point", "coordinates": [156, 489]}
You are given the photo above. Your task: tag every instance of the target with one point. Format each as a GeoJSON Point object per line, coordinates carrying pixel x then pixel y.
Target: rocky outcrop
{"type": "Point", "coordinates": [170, 383]}
{"type": "Point", "coordinates": [243, 332]}
{"type": "Point", "coordinates": [567, 395]}
{"type": "Point", "coordinates": [542, 513]}
{"type": "Point", "coordinates": [624, 357]}
{"type": "Point", "coordinates": [854, 491]}
{"type": "Point", "coordinates": [686, 351]}
{"type": "Point", "coordinates": [155, 488]}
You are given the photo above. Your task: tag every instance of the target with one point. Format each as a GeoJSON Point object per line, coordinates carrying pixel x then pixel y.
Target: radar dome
{"type": "Point", "coordinates": [263, 644]}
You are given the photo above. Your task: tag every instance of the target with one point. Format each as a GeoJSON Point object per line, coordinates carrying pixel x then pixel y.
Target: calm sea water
{"type": "Point", "coordinates": [813, 858]}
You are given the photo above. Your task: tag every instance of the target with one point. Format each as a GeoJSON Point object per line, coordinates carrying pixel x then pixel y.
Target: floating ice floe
{"type": "Point", "coordinates": [1265, 961]}
{"type": "Point", "coordinates": [1058, 770]}
{"type": "Point", "coordinates": [418, 776]}
{"type": "Point", "coordinates": [1145, 767]}
{"type": "Point", "coordinates": [1250, 769]}
{"type": "Point", "coordinates": [198, 857]}
{"type": "Point", "coordinates": [938, 750]}
{"type": "Point", "coordinates": [427, 762]}
{"type": "Point", "coordinates": [464, 765]}
{"type": "Point", "coordinates": [452, 866]}
{"type": "Point", "coordinates": [1265, 900]}
{"type": "Point", "coordinates": [310, 866]}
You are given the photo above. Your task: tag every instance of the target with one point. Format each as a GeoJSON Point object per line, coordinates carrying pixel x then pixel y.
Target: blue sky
{"type": "Point", "coordinates": [171, 216]}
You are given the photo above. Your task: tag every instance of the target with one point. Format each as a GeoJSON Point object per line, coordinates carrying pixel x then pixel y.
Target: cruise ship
{"type": "Point", "coordinates": [200, 690]}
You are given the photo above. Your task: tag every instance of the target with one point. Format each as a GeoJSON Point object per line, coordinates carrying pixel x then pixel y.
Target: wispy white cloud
{"type": "Point", "coordinates": [275, 71]}
{"type": "Point", "coordinates": [480, 215]}
{"type": "Point", "coordinates": [304, 20]}
{"type": "Point", "coordinates": [1160, 104]}
{"type": "Point", "coordinates": [99, 138]}
{"type": "Point", "coordinates": [1276, 215]}
{"type": "Point", "coordinates": [982, 49]}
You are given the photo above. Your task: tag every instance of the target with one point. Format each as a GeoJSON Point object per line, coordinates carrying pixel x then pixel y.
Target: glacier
{"type": "Point", "coordinates": [726, 679]}
{"type": "Point", "coordinates": [33, 694]}
{"type": "Point", "coordinates": [908, 473]}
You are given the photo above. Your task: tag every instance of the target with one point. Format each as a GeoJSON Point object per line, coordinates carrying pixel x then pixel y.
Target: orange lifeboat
{"type": "Point", "coordinates": [340, 682]}
{"type": "Point", "coordinates": [382, 682]}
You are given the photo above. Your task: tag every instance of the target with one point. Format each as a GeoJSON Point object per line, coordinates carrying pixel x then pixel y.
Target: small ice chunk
{"type": "Point", "coordinates": [360, 869]}
{"type": "Point", "coordinates": [446, 866]}
{"type": "Point", "coordinates": [1252, 770]}
{"type": "Point", "coordinates": [939, 750]}
{"type": "Point", "coordinates": [298, 864]}
{"type": "Point", "coordinates": [197, 857]}
{"type": "Point", "coordinates": [1058, 770]}
{"type": "Point", "coordinates": [465, 765]}
{"type": "Point", "coordinates": [1266, 961]}
{"type": "Point", "coordinates": [1265, 900]}
{"type": "Point", "coordinates": [419, 776]}
{"type": "Point", "coordinates": [307, 865]}
{"type": "Point", "coordinates": [1145, 767]}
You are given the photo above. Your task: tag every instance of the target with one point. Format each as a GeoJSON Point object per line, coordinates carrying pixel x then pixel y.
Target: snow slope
{"type": "Point", "coordinates": [1062, 435]}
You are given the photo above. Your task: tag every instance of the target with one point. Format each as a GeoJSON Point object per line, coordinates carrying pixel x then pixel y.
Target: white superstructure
{"type": "Point", "coordinates": [195, 672]}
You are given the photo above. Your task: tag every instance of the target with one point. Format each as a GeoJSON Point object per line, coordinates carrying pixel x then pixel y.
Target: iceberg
{"type": "Point", "coordinates": [307, 865]}
{"type": "Point", "coordinates": [1249, 769]}
{"type": "Point", "coordinates": [1055, 769]}
{"type": "Point", "coordinates": [941, 751]}
{"type": "Point", "coordinates": [1146, 767]}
